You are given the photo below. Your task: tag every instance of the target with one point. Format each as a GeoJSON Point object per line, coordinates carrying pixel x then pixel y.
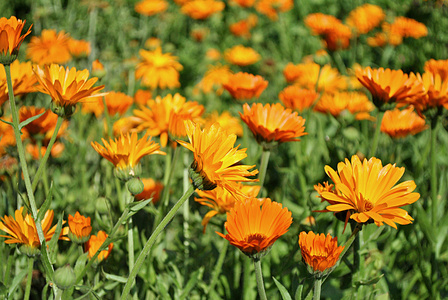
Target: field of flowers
{"type": "Point", "coordinates": [241, 149]}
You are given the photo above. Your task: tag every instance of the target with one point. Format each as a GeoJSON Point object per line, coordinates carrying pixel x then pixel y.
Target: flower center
{"type": "Point", "coordinates": [364, 204]}
{"type": "Point", "coordinates": [255, 238]}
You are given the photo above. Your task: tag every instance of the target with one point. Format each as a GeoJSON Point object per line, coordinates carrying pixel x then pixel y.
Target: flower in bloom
{"type": "Point", "coordinates": [367, 192]}
{"type": "Point", "coordinates": [152, 189]}
{"type": "Point", "coordinates": [7, 136]}
{"type": "Point", "coordinates": [222, 201]}
{"type": "Point", "coordinates": [254, 229]}
{"type": "Point", "coordinates": [51, 47]}
{"type": "Point", "coordinates": [335, 34]}
{"type": "Point", "coordinates": [22, 77]}
{"type": "Point", "coordinates": [354, 102]}
{"type": "Point", "coordinates": [141, 97]}
{"type": "Point", "coordinates": [215, 159]}
{"type": "Point", "coordinates": [116, 102]}
{"type": "Point", "coordinates": [214, 79]}
{"type": "Point", "coordinates": [241, 56]}
{"type": "Point", "coordinates": [271, 8]}
{"type": "Point", "coordinates": [365, 17]}
{"type": "Point", "coordinates": [243, 3]}
{"type": "Point", "coordinates": [41, 128]}
{"type": "Point", "coordinates": [242, 28]}
{"type": "Point", "coordinates": [292, 72]}
{"type": "Point", "coordinates": [22, 229]}
{"type": "Point", "coordinates": [56, 150]}
{"type": "Point", "coordinates": [297, 98]}
{"type": "Point", "coordinates": [319, 252]}
{"type": "Point", "coordinates": [400, 123]}
{"type": "Point", "coordinates": [11, 38]}
{"type": "Point", "coordinates": [228, 122]}
{"type": "Point", "coordinates": [406, 27]}
{"type": "Point", "coordinates": [151, 7]}
{"type": "Point", "coordinates": [273, 123]}
{"type": "Point", "coordinates": [158, 70]}
{"type": "Point", "coordinates": [202, 9]}
{"type": "Point", "coordinates": [94, 243]}
{"type": "Point", "coordinates": [78, 48]}
{"type": "Point", "coordinates": [437, 67]}
{"type": "Point", "coordinates": [80, 228]}
{"type": "Point", "coordinates": [244, 86]}
{"type": "Point", "coordinates": [388, 85]}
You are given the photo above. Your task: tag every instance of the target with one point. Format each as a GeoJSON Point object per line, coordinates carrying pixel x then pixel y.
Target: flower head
{"type": "Point", "coordinates": [437, 67]}
{"type": "Point", "coordinates": [319, 252]}
{"type": "Point", "coordinates": [50, 48]}
{"type": "Point", "coordinates": [400, 123]}
{"type": "Point", "coordinates": [406, 27]}
{"type": "Point", "coordinates": [141, 97]}
{"type": "Point", "coordinates": [271, 8]}
{"type": "Point", "coordinates": [22, 77]}
{"type": "Point", "coordinates": [365, 17]}
{"type": "Point", "coordinates": [243, 3]}
{"type": "Point", "coordinates": [244, 86]}
{"type": "Point", "coordinates": [228, 122]}
{"type": "Point", "coordinates": [151, 7]}
{"type": "Point", "coordinates": [202, 9]}
{"type": "Point", "coordinates": [216, 161]}
{"type": "Point", "coordinates": [11, 38]}
{"type": "Point", "coordinates": [253, 229]}
{"type": "Point", "coordinates": [335, 34]}
{"type": "Point", "coordinates": [354, 102]}
{"type": "Point", "coordinates": [78, 48]}
{"type": "Point", "coordinates": [242, 28]}
{"type": "Point", "coordinates": [214, 79]}
{"type": "Point", "coordinates": [152, 189]}
{"type": "Point", "coordinates": [80, 228]}
{"type": "Point", "coordinates": [241, 56]}
{"type": "Point", "coordinates": [94, 243]}
{"type": "Point", "coordinates": [297, 98]}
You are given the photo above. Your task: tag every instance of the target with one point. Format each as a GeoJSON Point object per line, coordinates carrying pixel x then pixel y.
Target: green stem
{"type": "Point", "coordinates": [130, 238]}
{"type": "Point", "coordinates": [433, 167]}
{"type": "Point", "coordinates": [259, 275]}
{"type": "Point", "coordinates": [218, 266]}
{"type": "Point", "coordinates": [317, 287]}
{"type": "Point", "coordinates": [186, 213]}
{"type": "Point", "coordinates": [263, 167]}
{"type": "Point", "coordinates": [29, 278]}
{"type": "Point", "coordinates": [43, 161]}
{"type": "Point", "coordinates": [7, 276]}
{"type": "Point", "coordinates": [108, 119]}
{"type": "Point", "coordinates": [44, 178]}
{"type": "Point", "coordinates": [152, 239]}
{"type": "Point", "coordinates": [374, 146]}
{"type": "Point", "coordinates": [339, 62]}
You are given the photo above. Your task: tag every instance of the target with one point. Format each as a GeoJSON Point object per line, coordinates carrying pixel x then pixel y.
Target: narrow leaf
{"type": "Point", "coordinates": [46, 205]}
{"type": "Point", "coordinates": [7, 122]}
{"type": "Point", "coordinates": [29, 120]}
{"type": "Point", "coordinates": [16, 281]}
{"type": "Point", "coordinates": [195, 277]}
{"type": "Point", "coordinates": [114, 277]}
{"type": "Point", "coordinates": [283, 291]}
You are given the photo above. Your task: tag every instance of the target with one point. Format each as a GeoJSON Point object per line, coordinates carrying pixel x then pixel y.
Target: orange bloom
{"type": "Point", "coordinates": [354, 102]}
{"type": "Point", "coordinates": [50, 48]}
{"type": "Point", "coordinates": [254, 230]}
{"type": "Point", "coordinates": [78, 47]}
{"type": "Point", "coordinates": [8, 138]}
{"type": "Point", "coordinates": [56, 150]}
{"type": "Point", "coordinates": [271, 8]}
{"type": "Point", "coordinates": [141, 97]}
{"type": "Point", "coordinates": [215, 159]}
{"type": "Point", "coordinates": [151, 7]}
{"type": "Point", "coordinates": [117, 103]}
{"type": "Point", "coordinates": [406, 27]}
{"type": "Point", "coordinates": [94, 243]}
{"type": "Point", "coordinates": [22, 230]}
{"type": "Point", "coordinates": [297, 98]}
{"type": "Point", "coordinates": [202, 9]}
{"type": "Point", "coordinates": [79, 228]}
{"type": "Point", "coordinates": [243, 3]}
{"type": "Point", "coordinates": [228, 122]}
{"type": "Point", "coordinates": [213, 54]}
{"type": "Point", "coordinates": [437, 67]}
{"type": "Point", "coordinates": [152, 189]}
{"type": "Point", "coordinates": [43, 126]}
{"type": "Point", "coordinates": [241, 56]}
{"type": "Point", "coordinates": [157, 69]}
{"type": "Point", "coordinates": [273, 123]}
{"type": "Point", "coordinates": [292, 72]}
{"type": "Point", "coordinates": [245, 86]}
{"type": "Point", "coordinates": [222, 201]}
{"type": "Point", "coordinates": [400, 123]}
{"type": "Point", "coordinates": [366, 191]}
{"type": "Point", "coordinates": [11, 38]}
{"type": "Point", "coordinates": [365, 17]}
{"type": "Point", "coordinates": [319, 252]}
{"type": "Point", "coordinates": [242, 28]}
{"type": "Point", "coordinates": [214, 79]}
{"type": "Point", "coordinates": [126, 124]}
{"type": "Point", "coordinates": [336, 34]}
{"type": "Point", "coordinates": [388, 85]}
{"type": "Point", "coordinates": [93, 105]}
{"type": "Point", "coordinates": [22, 77]}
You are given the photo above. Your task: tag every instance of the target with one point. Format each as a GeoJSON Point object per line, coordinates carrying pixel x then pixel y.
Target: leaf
{"type": "Point", "coordinates": [423, 219]}
{"type": "Point", "coordinates": [195, 277]}
{"type": "Point", "coordinates": [46, 205]}
{"type": "Point", "coordinates": [134, 207]}
{"type": "Point", "coordinates": [3, 290]}
{"type": "Point", "coordinates": [283, 291]}
{"type": "Point", "coordinates": [57, 233]}
{"type": "Point", "coordinates": [116, 278]}
{"type": "Point", "coordinates": [29, 120]}
{"type": "Point", "coordinates": [80, 263]}
{"type": "Point", "coordinates": [16, 281]}
{"type": "Point", "coordinates": [7, 122]}
{"type": "Point", "coordinates": [369, 282]}
{"type": "Point", "coordinates": [101, 223]}
{"type": "Point", "coordinates": [298, 294]}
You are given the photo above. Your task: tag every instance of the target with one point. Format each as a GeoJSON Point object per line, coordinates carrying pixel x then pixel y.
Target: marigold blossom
{"type": "Point", "coordinates": [336, 34]}
{"type": "Point", "coordinates": [116, 102]}
{"type": "Point", "coordinates": [354, 102]}
{"type": "Point", "coordinates": [11, 38]}
{"type": "Point", "coordinates": [400, 123]}
{"type": "Point", "coordinates": [242, 28]}
{"type": "Point", "coordinates": [78, 48]}
{"type": "Point", "coordinates": [243, 3]}
{"type": "Point", "coordinates": [94, 243]}
{"type": "Point", "coordinates": [297, 98]}
{"type": "Point", "coordinates": [241, 56]}
{"type": "Point", "coordinates": [152, 189]}
{"type": "Point", "coordinates": [365, 17]}
{"type": "Point", "coordinates": [243, 86]}
{"type": "Point", "coordinates": [328, 79]}
{"type": "Point", "coordinates": [437, 67]}
{"type": "Point", "coordinates": [22, 78]}
{"type": "Point", "coordinates": [80, 228]}
{"type": "Point", "coordinates": [151, 7]}
{"type": "Point", "coordinates": [50, 48]}
{"type": "Point", "coordinates": [228, 122]}
{"type": "Point", "coordinates": [406, 27]}
{"type": "Point", "coordinates": [271, 8]}
{"type": "Point", "coordinates": [202, 9]}
{"type": "Point", "coordinates": [141, 97]}
{"type": "Point", "coordinates": [214, 79]}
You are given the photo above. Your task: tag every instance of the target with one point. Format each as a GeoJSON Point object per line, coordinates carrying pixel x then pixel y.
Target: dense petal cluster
{"type": "Point", "coordinates": [298, 98]}
{"type": "Point", "coordinates": [243, 86]}
{"type": "Point", "coordinates": [151, 7]}
{"type": "Point", "coordinates": [80, 228]}
{"type": "Point", "coordinates": [241, 56]}
{"type": "Point", "coordinates": [94, 243]}
{"type": "Point", "coordinates": [401, 123]}
{"type": "Point", "coordinates": [11, 38]}
{"type": "Point", "coordinates": [365, 17]}
{"type": "Point", "coordinates": [354, 102]}
{"type": "Point", "coordinates": [439, 67]}
{"type": "Point", "coordinates": [202, 9]}
{"type": "Point", "coordinates": [335, 34]}
{"type": "Point", "coordinates": [50, 48]}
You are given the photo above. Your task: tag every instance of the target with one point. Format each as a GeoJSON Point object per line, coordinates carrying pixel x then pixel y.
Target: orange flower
{"type": "Point", "coordinates": [388, 85]}
{"type": "Point", "coordinates": [366, 191]}
{"type": "Point", "coordinates": [50, 48]}
{"type": "Point", "coordinates": [202, 9]}
{"type": "Point", "coordinates": [157, 69]}
{"type": "Point", "coordinates": [242, 28]}
{"type": "Point", "coordinates": [7, 136]}
{"type": "Point", "coordinates": [228, 122]}
{"type": "Point", "coordinates": [321, 24]}
{"type": "Point", "coordinates": [400, 123]}
{"type": "Point", "coordinates": [271, 8]}
{"type": "Point", "coordinates": [153, 43]}
{"type": "Point", "coordinates": [328, 79]}
{"type": "Point", "coordinates": [243, 3]}
{"type": "Point", "coordinates": [365, 17]}
{"type": "Point", "coordinates": [222, 201]}
{"type": "Point", "coordinates": [11, 38]}
{"type": "Point", "coordinates": [215, 159]}
{"type": "Point", "coordinates": [56, 150]}
{"type": "Point", "coordinates": [93, 105]}
{"type": "Point", "coordinates": [22, 230]}
{"type": "Point", "coordinates": [293, 72]}
{"type": "Point", "coordinates": [335, 34]}
{"type": "Point", "coordinates": [152, 189]}
{"type": "Point", "coordinates": [78, 47]}
{"type": "Point", "coordinates": [406, 27]}
{"type": "Point", "coordinates": [79, 228]}
{"type": "Point", "coordinates": [94, 243]}
{"type": "Point", "coordinates": [43, 126]}
{"type": "Point", "coordinates": [354, 102]}
{"type": "Point", "coordinates": [22, 77]}
{"type": "Point", "coordinates": [213, 54]}
{"type": "Point", "coordinates": [437, 67]}
{"type": "Point", "coordinates": [151, 7]}
{"type": "Point", "coordinates": [245, 86]}
{"type": "Point", "coordinates": [126, 124]}
{"type": "Point", "coordinates": [141, 97]}
{"type": "Point", "coordinates": [297, 98]}
{"type": "Point", "coordinates": [118, 103]}
{"type": "Point", "coordinates": [254, 230]}
{"type": "Point", "coordinates": [214, 79]}
{"type": "Point", "coordinates": [273, 123]}
{"type": "Point", "coordinates": [319, 252]}
{"type": "Point", "coordinates": [241, 56]}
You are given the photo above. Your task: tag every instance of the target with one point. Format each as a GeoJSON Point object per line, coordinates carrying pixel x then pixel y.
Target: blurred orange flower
{"type": "Point", "coordinates": [93, 105]}
{"type": "Point", "coordinates": [78, 47]}
{"type": "Point", "coordinates": [243, 3]}
{"type": "Point", "coordinates": [56, 150]}
{"type": "Point", "coordinates": [11, 38]}
{"type": "Point", "coordinates": [241, 56]}
{"type": "Point", "coordinates": [271, 8]}
{"type": "Point", "coordinates": [126, 124]}
{"type": "Point", "coordinates": [152, 189]}
{"type": "Point", "coordinates": [141, 97]}
{"type": "Point", "coordinates": [297, 98]}
{"type": "Point", "coordinates": [41, 128]}
{"type": "Point", "coordinates": [242, 28]}
{"type": "Point", "coordinates": [365, 17]}
{"type": "Point", "coordinates": [328, 79]}
{"type": "Point", "coordinates": [400, 123]}
{"type": "Point", "coordinates": [202, 9]}
{"type": "Point", "coordinates": [244, 86]}
{"type": "Point", "coordinates": [254, 230]}
{"type": "Point", "coordinates": [228, 122]}
{"type": "Point", "coordinates": [354, 102]}
{"type": "Point", "coordinates": [214, 79]}
{"type": "Point", "coordinates": [80, 228]}
{"type": "Point", "coordinates": [8, 138]}
{"type": "Point", "coordinates": [22, 77]}
{"type": "Point", "coordinates": [213, 54]}
{"type": "Point", "coordinates": [292, 72]}
{"type": "Point", "coordinates": [406, 27]}
{"type": "Point", "coordinates": [437, 67]}
{"type": "Point", "coordinates": [335, 34]}
{"type": "Point", "coordinates": [94, 243]}
{"type": "Point", "coordinates": [50, 47]}
{"type": "Point", "coordinates": [151, 7]}
{"type": "Point", "coordinates": [117, 103]}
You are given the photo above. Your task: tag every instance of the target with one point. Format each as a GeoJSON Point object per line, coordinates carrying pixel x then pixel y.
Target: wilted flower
{"type": "Point", "coordinates": [49, 48]}
{"type": "Point", "coordinates": [80, 228]}
{"type": "Point", "coordinates": [11, 38]}
{"type": "Point", "coordinates": [400, 123]}
{"type": "Point", "coordinates": [241, 56]}
{"type": "Point", "coordinates": [244, 86]}
{"type": "Point", "coordinates": [94, 243]}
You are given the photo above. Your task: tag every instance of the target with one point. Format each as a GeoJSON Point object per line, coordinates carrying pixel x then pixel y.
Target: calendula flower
{"type": "Point", "coordinates": [66, 87]}
{"type": "Point", "coordinates": [152, 189]}
{"type": "Point", "coordinates": [78, 48]}
{"type": "Point", "coordinates": [214, 79]}
{"type": "Point", "coordinates": [8, 138]}
{"type": "Point", "coordinates": [292, 72]}
{"type": "Point", "coordinates": [243, 3]}
{"type": "Point", "coordinates": [437, 67]}
{"type": "Point", "coordinates": [126, 151]}
{"type": "Point", "coordinates": [37, 153]}
{"type": "Point", "coordinates": [354, 102]}
{"type": "Point", "coordinates": [222, 201]}
{"type": "Point", "coordinates": [22, 230]}
{"type": "Point", "coordinates": [22, 78]}
{"type": "Point", "coordinates": [297, 98]}
{"type": "Point", "coordinates": [367, 192]}
{"type": "Point", "coordinates": [319, 252]}
{"type": "Point", "coordinates": [213, 54]}
{"type": "Point", "coordinates": [271, 8]}
{"type": "Point", "coordinates": [118, 103]}
{"type": "Point", "coordinates": [153, 43]}
{"type": "Point", "coordinates": [94, 243]}
{"type": "Point", "coordinates": [254, 229]}
{"type": "Point", "coordinates": [202, 9]}
{"type": "Point", "coordinates": [158, 70]}
{"type": "Point", "coordinates": [151, 7]}
{"type": "Point", "coordinates": [51, 47]}
{"type": "Point", "coordinates": [400, 123]}
{"type": "Point", "coordinates": [388, 85]}
{"type": "Point", "coordinates": [93, 105]}
{"type": "Point", "coordinates": [328, 79]}
{"type": "Point", "coordinates": [244, 86]}
{"type": "Point", "coordinates": [331, 29]}
{"type": "Point", "coordinates": [98, 69]}
{"type": "Point", "coordinates": [215, 159]}
{"type": "Point", "coordinates": [241, 56]}
{"type": "Point", "coordinates": [41, 128]}
{"type": "Point", "coordinates": [141, 97]}
{"type": "Point", "coordinates": [80, 228]}
{"type": "Point", "coordinates": [242, 28]}
{"type": "Point", "coordinates": [228, 122]}
{"type": "Point", "coordinates": [406, 27]}
{"type": "Point", "coordinates": [272, 124]}
{"type": "Point", "coordinates": [365, 17]}
{"type": "Point", "coordinates": [11, 38]}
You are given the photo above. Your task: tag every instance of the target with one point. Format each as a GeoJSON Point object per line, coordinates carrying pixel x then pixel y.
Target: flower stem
{"type": "Point", "coordinates": [108, 119]}
{"type": "Point", "coordinates": [374, 146]}
{"type": "Point", "coordinates": [130, 238]}
{"type": "Point", "coordinates": [317, 287]}
{"type": "Point", "coordinates": [186, 214]}
{"type": "Point", "coordinates": [218, 266]}
{"type": "Point", "coordinates": [434, 206]}
{"type": "Point", "coordinates": [152, 239]}
{"type": "Point", "coordinates": [259, 275]}
{"type": "Point", "coordinates": [29, 278]}
{"type": "Point", "coordinates": [263, 167]}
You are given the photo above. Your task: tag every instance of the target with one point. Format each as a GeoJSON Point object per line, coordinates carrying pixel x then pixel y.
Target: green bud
{"type": "Point", "coordinates": [127, 173]}
{"type": "Point", "coordinates": [135, 186]}
{"type": "Point", "coordinates": [63, 111]}
{"type": "Point", "coordinates": [64, 277]}
{"type": "Point", "coordinates": [199, 178]}
{"type": "Point", "coordinates": [29, 251]}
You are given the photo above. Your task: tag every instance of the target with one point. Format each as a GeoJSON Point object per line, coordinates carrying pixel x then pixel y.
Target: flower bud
{"type": "Point", "coordinates": [64, 277]}
{"type": "Point", "coordinates": [135, 186]}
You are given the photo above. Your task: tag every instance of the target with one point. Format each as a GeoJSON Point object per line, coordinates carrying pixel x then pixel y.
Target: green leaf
{"type": "Point", "coordinates": [369, 282]}
{"type": "Point", "coordinates": [134, 207]}
{"type": "Point", "coordinates": [54, 239]}
{"type": "Point", "coordinates": [46, 205]}
{"type": "Point", "coordinates": [162, 289]}
{"type": "Point", "coordinates": [3, 290]}
{"type": "Point", "coordinates": [423, 221]}
{"type": "Point", "coordinates": [29, 120]}
{"type": "Point", "coordinates": [101, 223]}
{"type": "Point", "coordinates": [283, 291]}
{"type": "Point", "coordinates": [116, 278]}
{"type": "Point", "coordinates": [195, 277]}
{"type": "Point", "coordinates": [7, 122]}
{"type": "Point", "coordinates": [16, 281]}
{"type": "Point", "coordinates": [298, 294]}
{"type": "Point", "coordinates": [80, 263]}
